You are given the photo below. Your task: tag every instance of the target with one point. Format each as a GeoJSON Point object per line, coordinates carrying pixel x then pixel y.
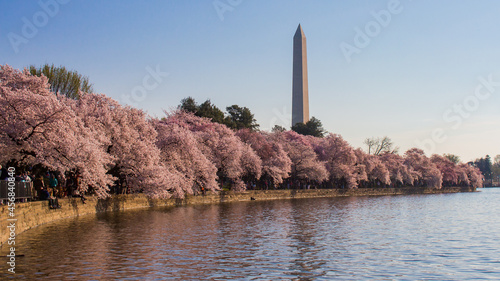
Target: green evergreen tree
{"type": "Point", "coordinates": [189, 104]}
{"type": "Point", "coordinates": [209, 110]}
{"type": "Point", "coordinates": [240, 118]}
{"type": "Point", "coordinates": [236, 118]}
{"type": "Point", "coordinates": [485, 165]}
{"type": "Point", "coordinates": [313, 127]}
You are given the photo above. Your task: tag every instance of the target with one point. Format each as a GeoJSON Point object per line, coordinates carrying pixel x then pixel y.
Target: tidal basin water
{"type": "Point", "coordinates": [408, 237]}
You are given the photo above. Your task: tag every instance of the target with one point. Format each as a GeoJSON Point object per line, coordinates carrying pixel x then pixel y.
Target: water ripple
{"type": "Point", "coordinates": [431, 237]}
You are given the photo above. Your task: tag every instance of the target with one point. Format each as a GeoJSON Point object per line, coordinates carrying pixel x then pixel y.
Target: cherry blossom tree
{"type": "Point", "coordinates": [399, 173]}
{"type": "Point", "coordinates": [276, 165]}
{"type": "Point", "coordinates": [458, 174]}
{"type": "Point", "coordinates": [180, 151]}
{"type": "Point", "coordinates": [37, 128]}
{"type": "Point", "coordinates": [110, 144]}
{"type": "Point", "coordinates": [379, 173]}
{"type": "Point", "coordinates": [128, 136]}
{"type": "Point", "coordinates": [426, 173]}
{"type": "Point", "coordinates": [305, 162]}
{"type": "Point", "coordinates": [462, 174]}
{"type": "Point", "coordinates": [448, 169]}
{"type": "Point", "coordinates": [340, 160]}
{"type": "Point", "coordinates": [375, 170]}
{"type": "Point", "coordinates": [474, 175]}
{"type": "Point", "coordinates": [251, 162]}
{"type": "Point", "coordinates": [232, 158]}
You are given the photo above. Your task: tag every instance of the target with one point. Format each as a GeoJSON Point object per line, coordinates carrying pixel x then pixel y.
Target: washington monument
{"type": "Point", "coordinates": [300, 93]}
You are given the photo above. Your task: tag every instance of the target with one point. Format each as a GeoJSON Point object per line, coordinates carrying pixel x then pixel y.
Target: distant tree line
{"type": "Point", "coordinates": [485, 166]}
{"type": "Point", "coordinates": [236, 117]}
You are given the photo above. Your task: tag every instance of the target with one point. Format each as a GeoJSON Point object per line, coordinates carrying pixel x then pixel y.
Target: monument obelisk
{"type": "Point", "coordinates": [300, 93]}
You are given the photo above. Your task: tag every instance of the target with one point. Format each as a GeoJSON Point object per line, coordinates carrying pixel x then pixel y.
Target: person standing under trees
{"type": "Point", "coordinates": [26, 178]}
{"type": "Point", "coordinates": [53, 184]}
{"type": "Point", "coordinates": [39, 185]}
{"type": "Point", "coordinates": [3, 173]}
{"type": "Point", "coordinates": [75, 191]}
{"type": "Point", "coordinates": [53, 202]}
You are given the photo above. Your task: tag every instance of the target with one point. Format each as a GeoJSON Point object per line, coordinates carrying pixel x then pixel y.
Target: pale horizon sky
{"type": "Point", "coordinates": [421, 69]}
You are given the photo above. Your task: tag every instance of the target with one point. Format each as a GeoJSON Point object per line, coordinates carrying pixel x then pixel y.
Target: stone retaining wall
{"type": "Point", "coordinates": [32, 214]}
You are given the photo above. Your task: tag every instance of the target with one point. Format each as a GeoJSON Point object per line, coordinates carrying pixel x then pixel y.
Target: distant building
{"type": "Point", "coordinates": [300, 92]}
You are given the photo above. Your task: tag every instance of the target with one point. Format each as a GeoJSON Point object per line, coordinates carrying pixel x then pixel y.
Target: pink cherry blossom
{"type": "Point", "coordinates": [340, 160]}
{"type": "Point", "coordinates": [38, 127]}
{"type": "Point", "coordinates": [474, 175]}
{"type": "Point", "coordinates": [376, 172]}
{"type": "Point", "coordinates": [305, 162]}
{"type": "Point", "coordinates": [448, 169]}
{"type": "Point", "coordinates": [232, 158]}
{"type": "Point", "coordinates": [399, 173]}
{"type": "Point", "coordinates": [426, 173]}
{"type": "Point", "coordinates": [128, 136]}
{"type": "Point", "coordinates": [181, 152]}
{"type": "Point", "coordinates": [276, 164]}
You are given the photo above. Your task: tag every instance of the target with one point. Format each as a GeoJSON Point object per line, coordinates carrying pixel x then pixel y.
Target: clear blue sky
{"type": "Point", "coordinates": [415, 77]}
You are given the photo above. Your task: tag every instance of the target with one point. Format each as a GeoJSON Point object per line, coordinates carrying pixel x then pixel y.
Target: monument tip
{"type": "Point", "coordinates": [299, 31]}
